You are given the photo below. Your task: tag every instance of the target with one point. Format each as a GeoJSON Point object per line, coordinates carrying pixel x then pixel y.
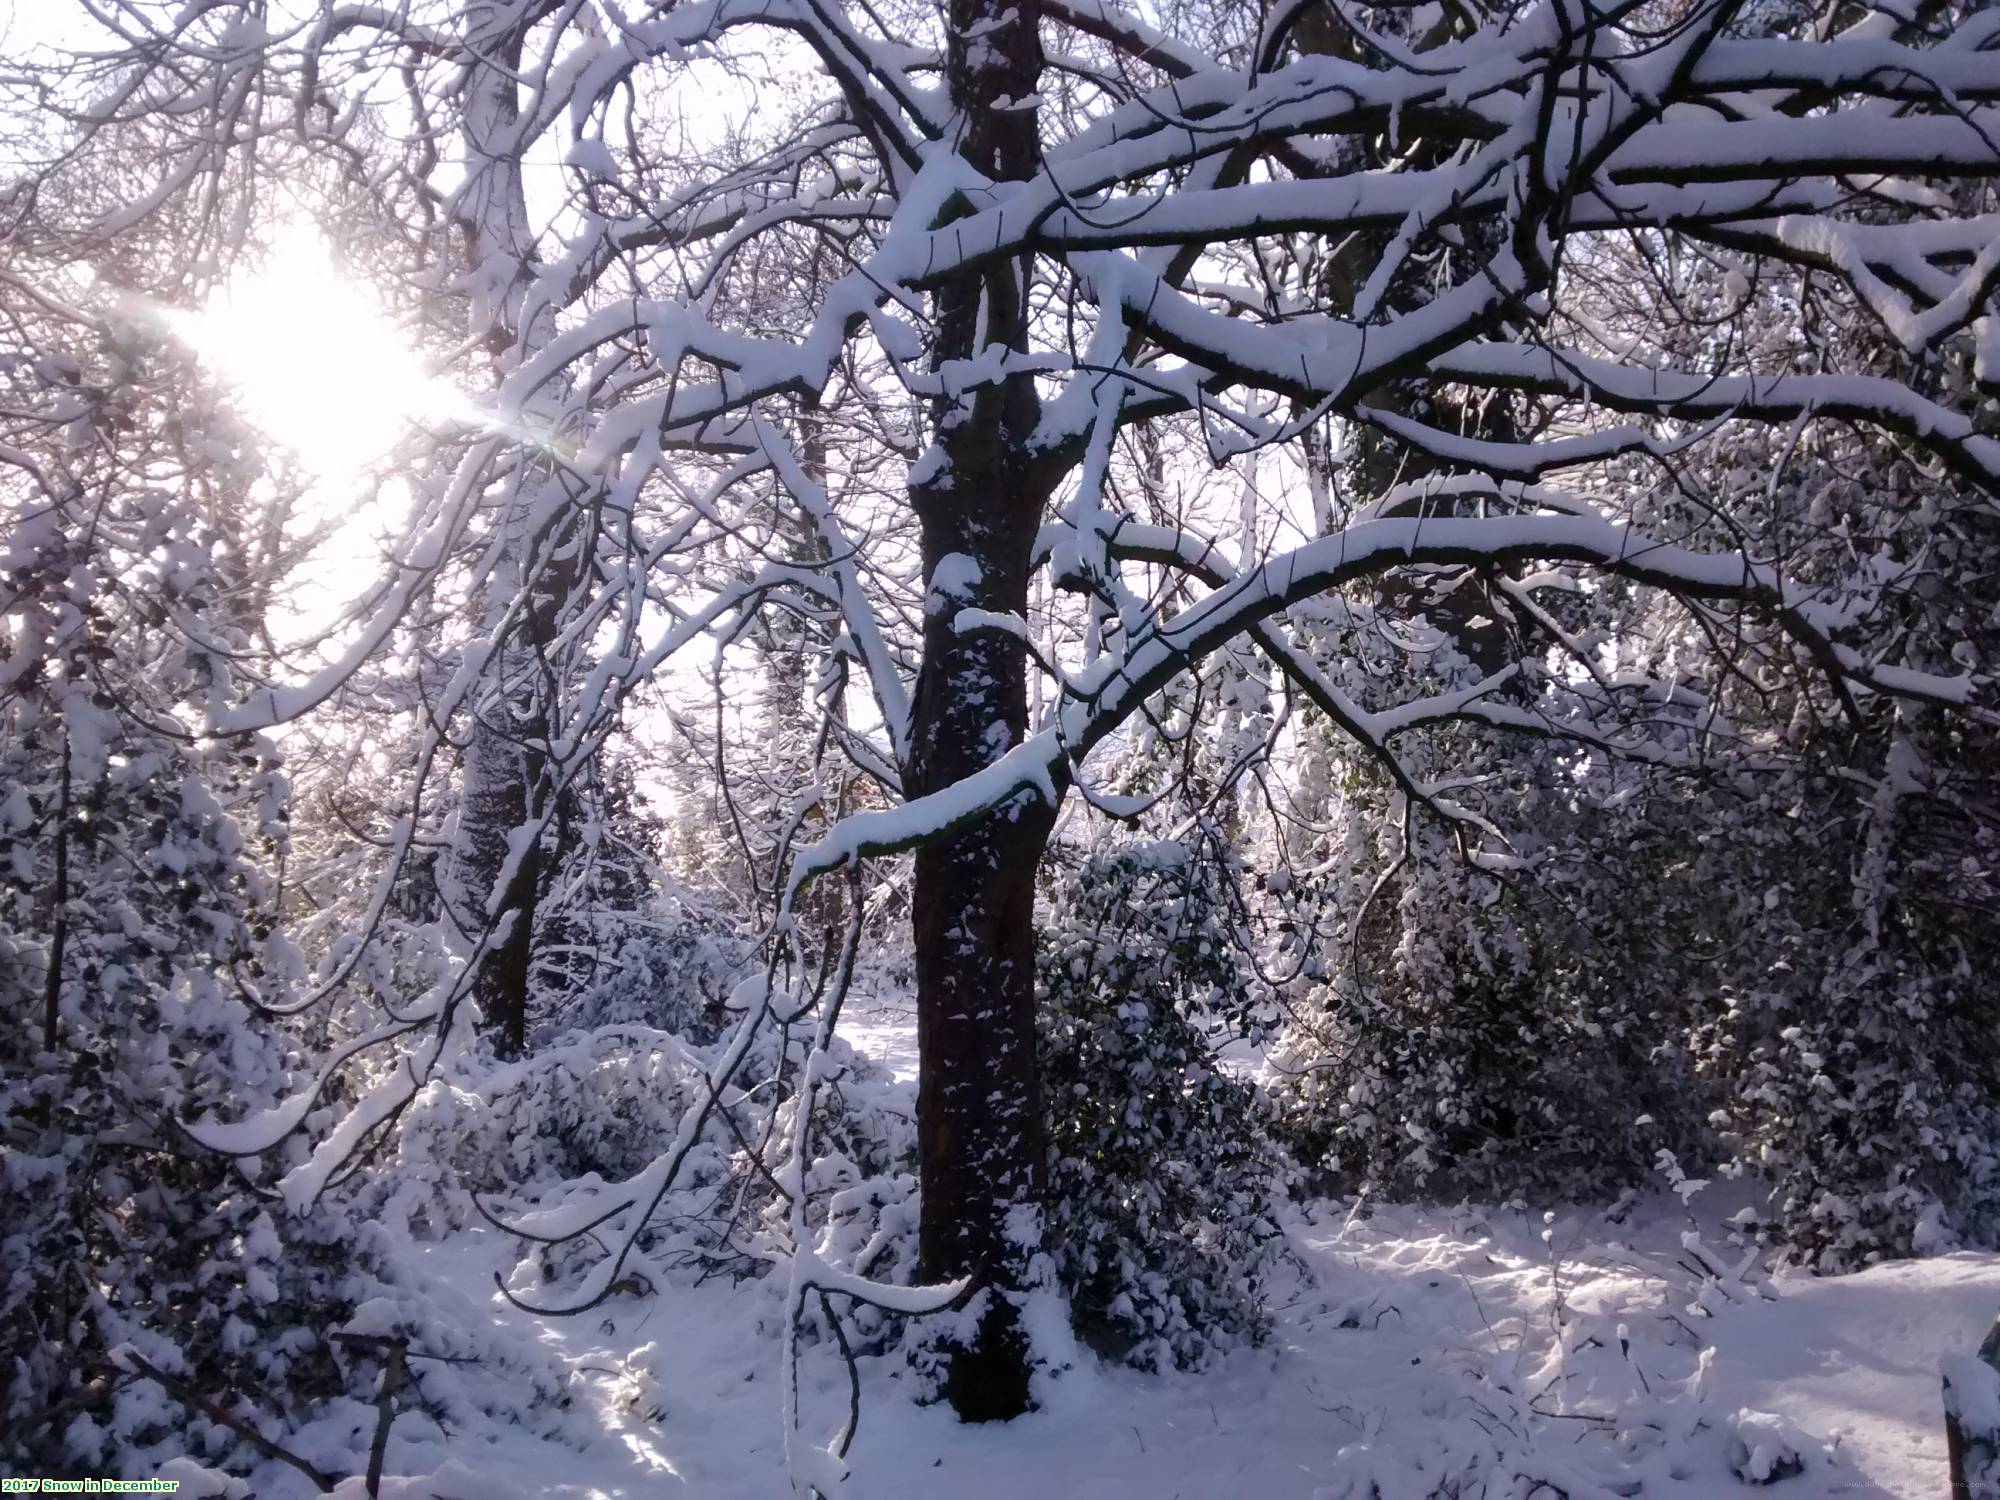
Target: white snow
{"type": "Point", "coordinates": [1416, 1347]}
{"type": "Point", "coordinates": [1974, 1392]}
{"type": "Point", "coordinates": [956, 577]}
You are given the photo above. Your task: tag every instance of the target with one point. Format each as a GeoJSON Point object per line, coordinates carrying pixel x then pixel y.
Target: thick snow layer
{"type": "Point", "coordinates": [1417, 1348]}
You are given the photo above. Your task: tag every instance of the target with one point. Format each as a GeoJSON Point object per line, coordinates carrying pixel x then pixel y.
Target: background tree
{"type": "Point", "coordinates": [142, 865]}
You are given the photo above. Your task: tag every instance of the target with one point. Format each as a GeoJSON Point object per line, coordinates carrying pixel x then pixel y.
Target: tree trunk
{"type": "Point", "coordinates": [979, 1116]}
{"type": "Point", "coordinates": [58, 898]}
{"type": "Point", "coordinates": [499, 782]}
{"type": "Point", "coordinates": [507, 786]}
{"type": "Point", "coordinates": [503, 784]}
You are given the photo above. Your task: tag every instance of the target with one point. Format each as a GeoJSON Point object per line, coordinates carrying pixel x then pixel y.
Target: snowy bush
{"type": "Point", "coordinates": [1771, 973]}
{"type": "Point", "coordinates": [860, 1186]}
{"type": "Point", "coordinates": [665, 964]}
{"type": "Point", "coordinates": [140, 888]}
{"type": "Point", "coordinates": [595, 1106]}
{"type": "Point", "coordinates": [1474, 1034]}
{"type": "Point", "coordinates": [1855, 1062]}
{"type": "Point", "coordinates": [1161, 1176]}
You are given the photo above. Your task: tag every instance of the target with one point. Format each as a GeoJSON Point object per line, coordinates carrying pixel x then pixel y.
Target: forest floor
{"type": "Point", "coordinates": [1417, 1350]}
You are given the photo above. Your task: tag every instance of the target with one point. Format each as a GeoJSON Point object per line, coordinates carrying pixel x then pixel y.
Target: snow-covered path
{"type": "Point", "coordinates": [1414, 1347]}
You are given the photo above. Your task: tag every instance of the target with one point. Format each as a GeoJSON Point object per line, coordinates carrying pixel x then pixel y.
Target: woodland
{"type": "Point", "coordinates": [833, 746]}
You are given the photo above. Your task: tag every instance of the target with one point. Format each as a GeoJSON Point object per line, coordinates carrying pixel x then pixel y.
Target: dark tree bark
{"type": "Point", "coordinates": [502, 777]}
{"type": "Point", "coordinates": [504, 780]}
{"type": "Point", "coordinates": [978, 1094]}
{"type": "Point", "coordinates": [59, 909]}
{"type": "Point", "coordinates": [508, 786]}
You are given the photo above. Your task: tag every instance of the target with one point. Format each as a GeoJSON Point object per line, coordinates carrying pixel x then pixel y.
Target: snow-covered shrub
{"type": "Point", "coordinates": [861, 1187]}
{"type": "Point", "coordinates": [596, 1106]}
{"type": "Point", "coordinates": [1854, 1064]}
{"type": "Point", "coordinates": [1476, 1034]}
{"type": "Point", "coordinates": [664, 964]}
{"type": "Point", "coordinates": [140, 891]}
{"type": "Point", "coordinates": [1162, 1179]}
{"type": "Point", "coordinates": [1772, 962]}
{"type": "Point", "coordinates": [1706, 973]}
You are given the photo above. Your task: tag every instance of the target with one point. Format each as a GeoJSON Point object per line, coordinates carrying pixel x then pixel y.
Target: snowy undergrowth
{"type": "Point", "coordinates": [1414, 1351]}
{"type": "Point", "coordinates": [1432, 1351]}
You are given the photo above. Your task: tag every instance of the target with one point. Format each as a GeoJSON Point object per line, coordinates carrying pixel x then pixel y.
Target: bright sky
{"type": "Point", "coordinates": [314, 360]}
{"type": "Point", "coordinates": [320, 369]}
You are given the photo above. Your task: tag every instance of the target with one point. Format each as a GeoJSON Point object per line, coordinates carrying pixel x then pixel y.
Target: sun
{"type": "Point", "coordinates": [315, 362]}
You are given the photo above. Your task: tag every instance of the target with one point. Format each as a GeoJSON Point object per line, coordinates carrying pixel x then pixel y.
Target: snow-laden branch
{"type": "Point", "coordinates": [1112, 689]}
{"type": "Point", "coordinates": [1874, 399]}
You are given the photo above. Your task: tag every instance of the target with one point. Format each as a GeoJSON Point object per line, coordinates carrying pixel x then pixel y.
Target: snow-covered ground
{"type": "Point", "coordinates": [1418, 1350]}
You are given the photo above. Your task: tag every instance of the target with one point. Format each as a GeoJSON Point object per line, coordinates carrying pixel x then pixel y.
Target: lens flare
{"type": "Point", "coordinates": [314, 361]}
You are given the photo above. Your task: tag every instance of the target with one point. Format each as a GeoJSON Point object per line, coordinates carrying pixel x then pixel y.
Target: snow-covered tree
{"type": "Point", "coordinates": [142, 868]}
{"type": "Point", "coordinates": [1049, 239]}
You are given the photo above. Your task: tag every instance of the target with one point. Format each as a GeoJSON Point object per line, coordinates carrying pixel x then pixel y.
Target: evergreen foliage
{"type": "Point", "coordinates": [1163, 1182]}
